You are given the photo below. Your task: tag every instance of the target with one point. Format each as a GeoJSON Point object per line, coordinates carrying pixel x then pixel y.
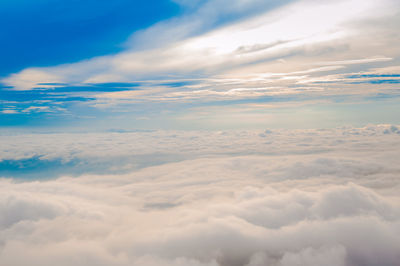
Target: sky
{"type": "Point", "coordinates": [216, 64]}
{"type": "Point", "coordinates": [200, 132]}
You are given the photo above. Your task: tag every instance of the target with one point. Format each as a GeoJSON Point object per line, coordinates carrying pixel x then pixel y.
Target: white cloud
{"type": "Point", "coordinates": [281, 197]}
{"type": "Point", "coordinates": [285, 39]}
{"type": "Point", "coordinates": [9, 111]}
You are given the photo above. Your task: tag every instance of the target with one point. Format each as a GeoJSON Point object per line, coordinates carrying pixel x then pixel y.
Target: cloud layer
{"type": "Point", "coordinates": [314, 197]}
{"type": "Point", "coordinates": [296, 33]}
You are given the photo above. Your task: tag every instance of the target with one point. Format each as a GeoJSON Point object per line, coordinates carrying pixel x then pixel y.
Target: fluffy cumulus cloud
{"type": "Point", "coordinates": [280, 197]}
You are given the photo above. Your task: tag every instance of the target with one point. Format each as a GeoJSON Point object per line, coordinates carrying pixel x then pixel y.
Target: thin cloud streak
{"type": "Point", "coordinates": [186, 57]}
{"type": "Point", "coordinates": [297, 51]}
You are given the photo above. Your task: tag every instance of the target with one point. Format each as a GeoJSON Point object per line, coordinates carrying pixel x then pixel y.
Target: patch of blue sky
{"type": "Point", "coordinates": [377, 81]}
{"type": "Point", "coordinates": [54, 113]}
{"type": "Point", "coordinates": [35, 168]}
{"type": "Point", "coordinates": [38, 168]}
{"type": "Point", "coordinates": [36, 95]}
{"type": "Point", "coordinates": [358, 76]}
{"type": "Point", "coordinates": [32, 119]}
{"type": "Point", "coordinates": [50, 32]}
{"type": "Point", "coordinates": [117, 84]}
{"type": "Point", "coordinates": [178, 84]}
{"type": "Point", "coordinates": [65, 92]}
{"type": "Point", "coordinates": [23, 96]}
{"type": "Point", "coordinates": [108, 87]}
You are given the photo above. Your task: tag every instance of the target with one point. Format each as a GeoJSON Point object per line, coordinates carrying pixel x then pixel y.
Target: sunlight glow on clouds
{"type": "Point", "coordinates": [218, 52]}
{"type": "Point", "coordinates": [276, 34]}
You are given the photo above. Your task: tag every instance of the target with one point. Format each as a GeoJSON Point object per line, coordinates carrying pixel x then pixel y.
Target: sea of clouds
{"type": "Point", "coordinates": [237, 198]}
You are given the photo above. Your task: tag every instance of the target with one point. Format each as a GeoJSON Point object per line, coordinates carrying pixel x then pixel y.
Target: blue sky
{"type": "Point", "coordinates": [166, 64]}
{"type": "Point", "coordinates": [51, 32]}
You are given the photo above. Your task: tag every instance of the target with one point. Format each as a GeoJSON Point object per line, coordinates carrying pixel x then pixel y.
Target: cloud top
{"type": "Point", "coordinates": [319, 198]}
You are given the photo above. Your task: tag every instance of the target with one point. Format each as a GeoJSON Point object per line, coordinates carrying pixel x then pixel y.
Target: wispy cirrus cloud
{"type": "Point", "coordinates": [265, 38]}
{"type": "Point", "coordinates": [294, 51]}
